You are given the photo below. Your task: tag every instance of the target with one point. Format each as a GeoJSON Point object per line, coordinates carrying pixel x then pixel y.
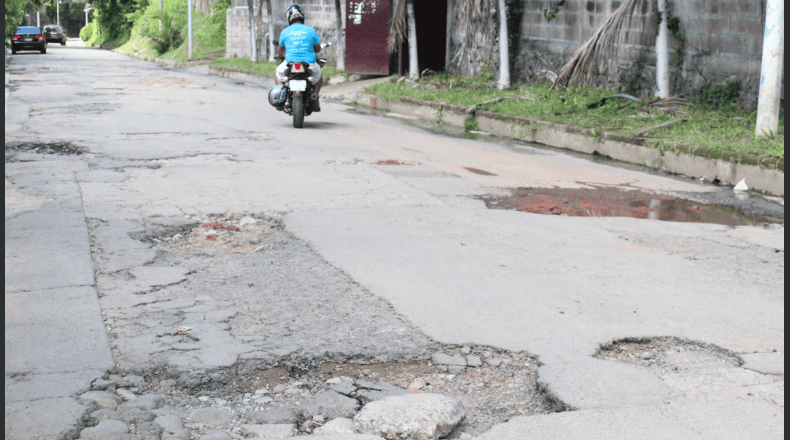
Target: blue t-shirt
{"type": "Point", "coordinates": [298, 40]}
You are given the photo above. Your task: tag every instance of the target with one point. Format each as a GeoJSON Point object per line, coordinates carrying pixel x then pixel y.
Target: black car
{"type": "Point", "coordinates": [53, 32]}
{"type": "Point", "coordinates": [28, 38]}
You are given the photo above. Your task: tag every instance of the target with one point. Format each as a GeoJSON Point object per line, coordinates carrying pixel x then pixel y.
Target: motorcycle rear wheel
{"type": "Point", "coordinates": [298, 112]}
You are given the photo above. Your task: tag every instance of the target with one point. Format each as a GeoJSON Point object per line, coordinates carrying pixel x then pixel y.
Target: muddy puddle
{"type": "Point", "coordinates": [605, 201]}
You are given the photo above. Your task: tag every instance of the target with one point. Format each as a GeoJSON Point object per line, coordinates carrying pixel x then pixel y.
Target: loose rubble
{"type": "Point", "coordinates": [411, 416]}
{"type": "Point", "coordinates": [332, 399]}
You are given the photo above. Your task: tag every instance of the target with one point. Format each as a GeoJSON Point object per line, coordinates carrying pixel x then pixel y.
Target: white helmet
{"type": "Point", "coordinates": [293, 13]}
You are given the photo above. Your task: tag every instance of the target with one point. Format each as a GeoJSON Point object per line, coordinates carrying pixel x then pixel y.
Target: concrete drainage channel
{"type": "Point", "coordinates": [214, 338]}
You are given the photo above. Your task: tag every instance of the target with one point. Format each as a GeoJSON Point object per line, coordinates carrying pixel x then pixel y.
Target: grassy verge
{"type": "Point", "coordinates": [723, 128]}
{"type": "Point", "coordinates": [265, 68]}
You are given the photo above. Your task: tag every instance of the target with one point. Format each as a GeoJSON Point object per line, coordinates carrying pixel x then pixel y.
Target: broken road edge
{"type": "Point", "coordinates": [761, 174]}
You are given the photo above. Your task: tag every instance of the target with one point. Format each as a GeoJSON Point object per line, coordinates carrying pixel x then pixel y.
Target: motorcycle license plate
{"type": "Point", "coordinates": [298, 85]}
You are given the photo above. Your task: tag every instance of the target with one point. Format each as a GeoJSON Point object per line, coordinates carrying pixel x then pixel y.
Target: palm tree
{"type": "Point", "coordinates": [341, 61]}
{"type": "Point", "coordinates": [254, 54]}
{"type": "Point", "coordinates": [271, 29]}
{"type": "Point", "coordinates": [403, 12]}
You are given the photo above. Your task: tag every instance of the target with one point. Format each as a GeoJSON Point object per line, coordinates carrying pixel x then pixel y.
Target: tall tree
{"type": "Point", "coordinates": [341, 47]}
{"type": "Point", "coordinates": [504, 58]}
{"type": "Point", "coordinates": [403, 14]}
{"type": "Point", "coordinates": [414, 69]}
{"type": "Point", "coordinates": [270, 17]}
{"type": "Point", "coordinates": [662, 53]}
{"type": "Point", "coordinates": [253, 33]}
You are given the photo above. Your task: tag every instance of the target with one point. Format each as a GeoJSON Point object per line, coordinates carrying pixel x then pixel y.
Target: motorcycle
{"type": "Point", "coordinates": [295, 89]}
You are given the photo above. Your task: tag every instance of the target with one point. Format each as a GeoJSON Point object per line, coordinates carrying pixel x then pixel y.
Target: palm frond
{"type": "Point", "coordinates": [476, 22]}
{"type": "Point", "coordinates": [397, 25]}
{"type": "Point", "coordinates": [594, 57]}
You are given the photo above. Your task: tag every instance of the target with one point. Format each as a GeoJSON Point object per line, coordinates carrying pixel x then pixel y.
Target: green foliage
{"type": "Point", "coordinates": [174, 19]}
{"type": "Point", "coordinates": [551, 14]}
{"type": "Point", "coordinates": [14, 14]}
{"type": "Point", "coordinates": [673, 25]}
{"type": "Point", "coordinates": [112, 20]}
{"type": "Point", "coordinates": [471, 124]}
{"type": "Point", "coordinates": [720, 97]}
{"type": "Point", "coordinates": [86, 33]}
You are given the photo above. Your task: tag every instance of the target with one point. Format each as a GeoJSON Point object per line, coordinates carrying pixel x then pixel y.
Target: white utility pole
{"type": "Point", "coordinates": [771, 69]}
{"type": "Point", "coordinates": [662, 55]}
{"type": "Point", "coordinates": [253, 32]}
{"type": "Point", "coordinates": [189, 17]}
{"type": "Point", "coordinates": [504, 58]}
{"type": "Point", "coordinates": [160, 8]}
{"type": "Point", "coordinates": [414, 69]}
{"type": "Point", "coordinates": [38, 18]}
{"type": "Point", "coordinates": [57, 12]}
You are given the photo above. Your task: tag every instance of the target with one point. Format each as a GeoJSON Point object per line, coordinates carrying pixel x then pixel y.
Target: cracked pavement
{"type": "Point", "coordinates": [358, 260]}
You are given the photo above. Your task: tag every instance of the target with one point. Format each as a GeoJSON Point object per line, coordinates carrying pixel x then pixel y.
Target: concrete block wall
{"type": "Point", "coordinates": [723, 41]}
{"type": "Point", "coordinates": [320, 15]}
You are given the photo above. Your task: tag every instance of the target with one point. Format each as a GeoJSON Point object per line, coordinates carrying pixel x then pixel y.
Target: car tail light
{"type": "Point", "coordinates": [39, 37]}
{"type": "Point", "coordinates": [16, 37]}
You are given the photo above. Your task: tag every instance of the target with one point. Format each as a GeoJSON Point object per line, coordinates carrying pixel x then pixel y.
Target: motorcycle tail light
{"type": "Point", "coordinates": [297, 68]}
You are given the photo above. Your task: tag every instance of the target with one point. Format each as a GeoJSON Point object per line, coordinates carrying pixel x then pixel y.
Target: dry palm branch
{"type": "Point", "coordinates": [397, 25]}
{"type": "Point", "coordinates": [477, 24]}
{"type": "Point", "coordinates": [593, 58]}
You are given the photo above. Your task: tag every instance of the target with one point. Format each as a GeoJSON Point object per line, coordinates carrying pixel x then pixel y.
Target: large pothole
{"type": "Point", "coordinates": [239, 315]}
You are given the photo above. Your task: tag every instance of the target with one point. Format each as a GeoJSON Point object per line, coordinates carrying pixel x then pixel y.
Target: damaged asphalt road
{"type": "Point", "coordinates": [189, 236]}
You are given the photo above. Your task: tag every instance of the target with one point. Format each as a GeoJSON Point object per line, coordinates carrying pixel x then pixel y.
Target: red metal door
{"type": "Point", "coordinates": [367, 31]}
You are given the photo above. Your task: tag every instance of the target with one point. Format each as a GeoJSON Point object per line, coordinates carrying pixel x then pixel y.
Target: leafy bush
{"type": "Point", "coordinates": [86, 33]}
{"type": "Point", "coordinates": [174, 19]}
{"type": "Point", "coordinates": [722, 96]}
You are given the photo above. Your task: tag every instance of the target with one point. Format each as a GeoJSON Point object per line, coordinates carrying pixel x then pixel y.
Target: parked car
{"type": "Point", "coordinates": [53, 32]}
{"type": "Point", "coordinates": [28, 38]}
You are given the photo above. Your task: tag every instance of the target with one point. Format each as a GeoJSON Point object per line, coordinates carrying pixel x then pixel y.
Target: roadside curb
{"type": "Point", "coordinates": [766, 175]}
{"type": "Point", "coordinates": [262, 81]}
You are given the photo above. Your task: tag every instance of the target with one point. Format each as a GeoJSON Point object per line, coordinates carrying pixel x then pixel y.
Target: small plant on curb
{"type": "Point", "coordinates": [471, 124]}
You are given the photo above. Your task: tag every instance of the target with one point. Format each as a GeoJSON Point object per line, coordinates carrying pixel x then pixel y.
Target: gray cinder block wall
{"type": "Point", "coordinates": [723, 40]}
{"type": "Point", "coordinates": [320, 15]}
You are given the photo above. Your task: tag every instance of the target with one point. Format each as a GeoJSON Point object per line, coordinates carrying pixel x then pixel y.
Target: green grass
{"type": "Point", "coordinates": [138, 46]}
{"type": "Point", "coordinates": [265, 68]}
{"type": "Point", "coordinates": [726, 128]}
{"type": "Point", "coordinates": [244, 65]}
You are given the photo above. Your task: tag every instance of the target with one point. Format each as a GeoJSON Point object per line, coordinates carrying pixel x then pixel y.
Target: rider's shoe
{"type": "Point", "coordinates": [316, 103]}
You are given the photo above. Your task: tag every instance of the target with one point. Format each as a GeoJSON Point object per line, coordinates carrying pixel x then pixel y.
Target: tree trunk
{"type": "Point", "coordinates": [270, 17]}
{"type": "Point", "coordinates": [770, 96]}
{"type": "Point", "coordinates": [504, 58]}
{"type": "Point", "coordinates": [341, 47]}
{"type": "Point", "coordinates": [254, 50]}
{"type": "Point", "coordinates": [662, 55]}
{"type": "Point", "coordinates": [414, 69]}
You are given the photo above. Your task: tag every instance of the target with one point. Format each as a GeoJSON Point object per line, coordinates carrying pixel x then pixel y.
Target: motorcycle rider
{"type": "Point", "coordinates": [299, 43]}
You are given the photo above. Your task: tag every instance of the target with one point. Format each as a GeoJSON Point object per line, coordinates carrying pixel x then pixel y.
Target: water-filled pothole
{"type": "Point", "coordinates": [606, 201]}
